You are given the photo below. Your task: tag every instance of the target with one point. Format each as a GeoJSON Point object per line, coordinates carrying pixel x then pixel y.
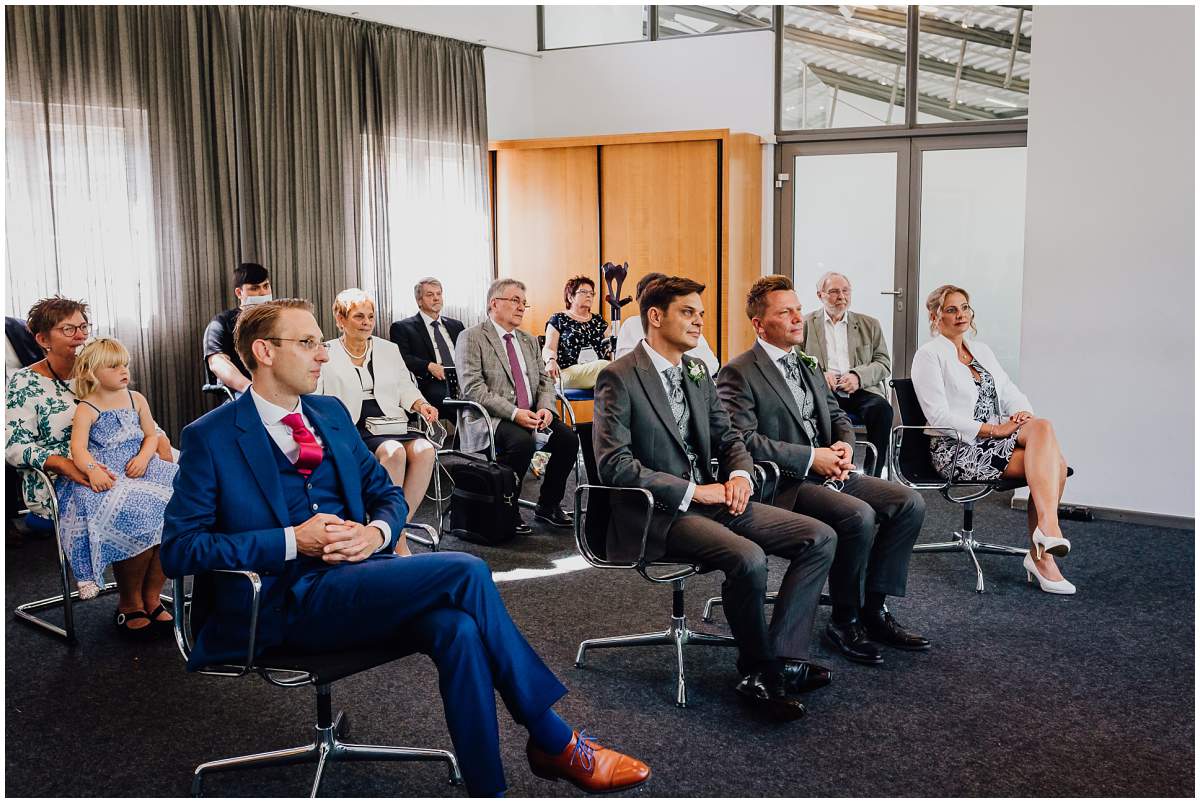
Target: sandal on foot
{"type": "Point", "coordinates": [122, 619]}
{"type": "Point", "coordinates": [163, 623]}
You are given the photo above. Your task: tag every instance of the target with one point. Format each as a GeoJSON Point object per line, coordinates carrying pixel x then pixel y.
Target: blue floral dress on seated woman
{"type": "Point", "coordinates": [101, 528]}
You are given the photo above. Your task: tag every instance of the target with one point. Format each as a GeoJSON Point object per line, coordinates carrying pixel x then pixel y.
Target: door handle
{"type": "Point", "coordinates": [898, 292]}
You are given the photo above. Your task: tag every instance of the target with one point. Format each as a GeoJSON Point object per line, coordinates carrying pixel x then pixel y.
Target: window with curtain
{"type": "Point", "coordinates": [78, 211]}
{"type": "Point", "coordinates": [150, 149]}
{"type": "Point", "coordinates": [435, 222]}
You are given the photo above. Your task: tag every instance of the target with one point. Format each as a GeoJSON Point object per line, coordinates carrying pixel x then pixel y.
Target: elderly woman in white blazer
{"type": "Point", "coordinates": [962, 386]}
{"type": "Point", "coordinates": [368, 375]}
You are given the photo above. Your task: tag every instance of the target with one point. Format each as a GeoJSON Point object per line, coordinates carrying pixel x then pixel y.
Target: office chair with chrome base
{"type": "Point", "coordinates": [591, 535]}
{"type": "Point", "coordinates": [282, 667]}
{"type": "Point", "coordinates": [70, 593]}
{"type": "Point", "coordinates": [912, 465]}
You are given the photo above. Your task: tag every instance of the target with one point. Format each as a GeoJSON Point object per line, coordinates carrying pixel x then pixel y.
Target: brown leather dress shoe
{"type": "Point", "coordinates": [588, 765]}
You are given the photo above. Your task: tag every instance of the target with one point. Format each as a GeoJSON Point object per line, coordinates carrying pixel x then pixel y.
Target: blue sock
{"type": "Point", "coordinates": [549, 733]}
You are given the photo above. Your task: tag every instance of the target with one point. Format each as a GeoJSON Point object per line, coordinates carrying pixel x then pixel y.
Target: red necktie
{"type": "Point", "coordinates": [311, 452]}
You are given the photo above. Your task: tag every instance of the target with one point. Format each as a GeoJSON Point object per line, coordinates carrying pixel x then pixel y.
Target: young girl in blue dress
{"type": "Point", "coordinates": [117, 518]}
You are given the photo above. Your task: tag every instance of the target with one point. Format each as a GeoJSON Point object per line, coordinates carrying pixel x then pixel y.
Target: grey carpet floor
{"type": "Point", "coordinates": [1023, 694]}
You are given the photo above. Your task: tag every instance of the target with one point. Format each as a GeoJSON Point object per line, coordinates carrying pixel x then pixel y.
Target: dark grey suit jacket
{"type": "Point", "coordinates": [763, 410]}
{"type": "Point", "coordinates": [637, 445]}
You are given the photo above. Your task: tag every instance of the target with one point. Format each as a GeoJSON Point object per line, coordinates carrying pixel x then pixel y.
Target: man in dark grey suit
{"type": "Point", "coordinates": [777, 400]}
{"type": "Point", "coordinates": [500, 367]}
{"type": "Point", "coordinates": [426, 341]}
{"type": "Point", "coordinates": [658, 422]}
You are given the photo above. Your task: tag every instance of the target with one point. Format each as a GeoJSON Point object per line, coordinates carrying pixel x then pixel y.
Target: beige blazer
{"type": "Point", "coordinates": [485, 378]}
{"type": "Point", "coordinates": [869, 356]}
{"type": "Point", "coordinates": [394, 387]}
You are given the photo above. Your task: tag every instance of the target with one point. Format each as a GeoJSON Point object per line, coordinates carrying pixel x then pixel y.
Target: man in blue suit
{"type": "Point", "coordinates": [280, 483]}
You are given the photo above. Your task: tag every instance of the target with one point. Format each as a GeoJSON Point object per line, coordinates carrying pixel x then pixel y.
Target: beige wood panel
{"type": "Point", "coordinates": [547, 223]}
{"type": "Point", "coordinates": [608, 139]}
{"type": "Point", "coordinates": [742, 241]}
{"type": "Point", "coordinates": [659, 213]}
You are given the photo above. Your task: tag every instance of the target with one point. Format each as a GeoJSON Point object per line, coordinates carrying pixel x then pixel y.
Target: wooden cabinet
{"type": "Point", "coordinates": [684, 203]}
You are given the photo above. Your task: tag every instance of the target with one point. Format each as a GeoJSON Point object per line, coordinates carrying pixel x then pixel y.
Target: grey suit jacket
{"type": "Point", "coordinates": [869, 356]}
{"type": "Point", "coordinates": [484, 377]}
{"type": "Point", "coordinates": [763, 410]}
{"type": "Point", "coordinates": [637, 445]}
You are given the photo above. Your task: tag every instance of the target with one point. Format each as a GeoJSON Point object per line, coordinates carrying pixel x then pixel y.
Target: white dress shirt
{"type": "Point", "coordinates": [661, 364]}
{"type": "Point", "coordinates": [445, 336]}
{"type": "Point", "coordinates": [272, 418]}
{"type": "Point", "coordinates": [837, 343]}
{"type": "Point", "coordinates": [776, 354]}
{"type": "Point", "coordinates": [630, 334]}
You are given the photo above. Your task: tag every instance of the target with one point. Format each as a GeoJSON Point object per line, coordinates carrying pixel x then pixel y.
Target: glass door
{"type": "Point", "coordinates": [844, 209]}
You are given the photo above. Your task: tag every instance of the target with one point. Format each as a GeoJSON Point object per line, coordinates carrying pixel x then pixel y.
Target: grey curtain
{"type": "Point", "coordinates": [152, 149]}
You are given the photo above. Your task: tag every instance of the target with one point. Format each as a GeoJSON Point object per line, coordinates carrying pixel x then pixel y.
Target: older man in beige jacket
{"type": "Point", "coordinates": [853, 354]}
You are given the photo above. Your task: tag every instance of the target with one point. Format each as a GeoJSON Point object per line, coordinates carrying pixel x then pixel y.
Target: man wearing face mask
{"type": "Point", "coordinates": [251, 285]}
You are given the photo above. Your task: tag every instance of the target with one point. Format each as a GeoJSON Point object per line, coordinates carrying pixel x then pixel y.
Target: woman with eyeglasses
{"type": "Point", "coordinates": [962, 387]}
{"type": "Point", "coordinates": [369, 376]}
{"type": "Point", "coordinates": [577, 341]}
{"type": "Point", "coordinates": [40, 408]}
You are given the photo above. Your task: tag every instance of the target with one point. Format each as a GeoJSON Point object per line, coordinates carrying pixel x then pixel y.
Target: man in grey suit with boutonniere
{"type": "Point", "coordinates": [777, 401]}
{"type": "Point", "coordinates": [500, 367]}
{"type": "Point", "coordinates": [658, 424]}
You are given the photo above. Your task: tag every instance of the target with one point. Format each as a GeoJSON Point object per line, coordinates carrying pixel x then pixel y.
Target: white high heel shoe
{"type": "Point", "coordinates": [1063, 586]}
{"type": "Point", "coordinates": [1058, 547]}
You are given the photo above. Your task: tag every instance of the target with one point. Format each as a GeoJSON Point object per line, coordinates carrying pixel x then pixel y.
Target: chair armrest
{"type": "Point", "coordinates": [462, 405]}
{"type": "Point", "coordinates": [767, 475]}
{"type": "Point", "coordinates": [183, 620]}
{"type": "Point", "coordinates": [898, 439]}
{"type": "Point", "coordinates": [639, 495]}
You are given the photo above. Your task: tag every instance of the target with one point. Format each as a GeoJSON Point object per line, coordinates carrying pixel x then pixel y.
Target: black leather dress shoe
{"type": "Point", "coordinates": [851, 639]}
{"type": "Point", "coordinates": [767, 693]}
{"type": "Point", "coordinates": [521, 528]}
{"type": "Point", "coordinates": [883, 628]}
{"type": "Point", "coordinates": [555, 517]}
{"type": "Point", "coordinates": [805, 676]}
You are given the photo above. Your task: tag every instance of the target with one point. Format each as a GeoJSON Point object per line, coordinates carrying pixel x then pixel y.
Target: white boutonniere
{"type": "Point", "coordinates": [807, 359]}
{"type": "Point", "coordinates": [696, 372]}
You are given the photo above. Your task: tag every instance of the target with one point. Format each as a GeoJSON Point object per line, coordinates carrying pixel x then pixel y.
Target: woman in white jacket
{"type": "Point", "coordinates": [369, 376]}
{"type": "Point", "coordinates": [962, 387]}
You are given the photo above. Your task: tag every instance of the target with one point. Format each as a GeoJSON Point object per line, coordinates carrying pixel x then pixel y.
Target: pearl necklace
{"type": "Point", "coordinates": [354, 356]}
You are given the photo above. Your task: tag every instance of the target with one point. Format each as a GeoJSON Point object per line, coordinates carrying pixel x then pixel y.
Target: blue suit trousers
{"type": "Point", "coordinates": [444, 605]}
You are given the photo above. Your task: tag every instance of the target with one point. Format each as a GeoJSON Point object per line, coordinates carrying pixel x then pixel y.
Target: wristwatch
{"type": "Point", "coordinates": [91, 466]}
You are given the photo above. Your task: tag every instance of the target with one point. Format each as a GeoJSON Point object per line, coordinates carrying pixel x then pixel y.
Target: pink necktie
{"type": "Point", "coordinates": [311, 452]}
{"type": "Point", "coordinates": [518, 377]}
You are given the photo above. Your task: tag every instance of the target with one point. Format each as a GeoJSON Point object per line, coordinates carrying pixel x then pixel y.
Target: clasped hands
{"type": "Point", "coordinates": [335, 540]}
{"type": "Point", "coordinates": [734, 494]}
{"type": "Point", "coordinates": [1014, 422]}
{"type": "Point", "coordinates": [834, 462]}
{"type": "Point", "coordinates": [531, 420]}
{"type": "Point", "coordinates": [847, 382]}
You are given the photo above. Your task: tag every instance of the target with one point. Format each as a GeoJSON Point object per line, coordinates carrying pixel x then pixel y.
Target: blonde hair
{"type": "Point", "coordinates": [347, 300]}
{"type": "Point", "coordinates": [935, 300]}
{"type": "Point", "coordinates": [103, 352]}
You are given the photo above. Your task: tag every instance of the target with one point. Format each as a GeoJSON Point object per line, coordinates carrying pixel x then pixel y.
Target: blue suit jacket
{"type": "Point", "coordinates": [228, 512]}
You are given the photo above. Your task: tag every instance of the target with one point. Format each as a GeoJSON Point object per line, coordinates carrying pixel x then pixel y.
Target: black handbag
{"type": "Point", "coordinates": [483, 504]}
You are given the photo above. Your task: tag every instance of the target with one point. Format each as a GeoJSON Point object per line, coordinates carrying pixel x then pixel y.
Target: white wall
{"type": "Point", "coordinates": [673, 85]}
{"type": "Point", "coordinates": [1108, 341]}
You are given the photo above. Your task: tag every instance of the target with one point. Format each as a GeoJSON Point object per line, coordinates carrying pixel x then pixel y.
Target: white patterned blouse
{"type": "Point", "coordinates": [37, 425]}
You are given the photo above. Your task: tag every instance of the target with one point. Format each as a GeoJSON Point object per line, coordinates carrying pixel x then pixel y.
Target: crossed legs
{"type": "Point", "coordinates": [1038, 459]}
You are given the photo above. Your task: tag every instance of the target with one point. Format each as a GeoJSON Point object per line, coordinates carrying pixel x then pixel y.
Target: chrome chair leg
{"type": "Point", "coordinates": [1000, 549]}
{"type": "Point", "coordinates": [954, 545]}
{"type": "Point", "coordinates": [272, 758]}
{"type": "Point", "coordinates": [968, 546]}
{"type": "Point", "coordinates": [680, 638]}
{"type": "Point", "coordinates": [661, 638]}
{"type": "Point", "coordinates": [372, 752]}
{"type": "Point", "coordinates": [323, 753]}
{"type": "Point", "coordinates": [431, 538]}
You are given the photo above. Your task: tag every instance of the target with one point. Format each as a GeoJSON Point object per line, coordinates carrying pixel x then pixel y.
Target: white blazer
{"type": "Point", "coordinates": [947, 390]}
{"type": "Point", "coordinates": [394, 387]}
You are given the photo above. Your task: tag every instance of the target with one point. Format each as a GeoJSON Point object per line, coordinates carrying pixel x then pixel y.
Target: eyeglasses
{"type": "Point", "coordinates": [70, 329]}
{"type": "Point", "coordinates": [837, 292]}
{"type": "Point", "coordinates": [589, 293]}
{"type": "Point", "coordinates": [307, 344]}
{"type": "Point", "coordinates": [516, 301]}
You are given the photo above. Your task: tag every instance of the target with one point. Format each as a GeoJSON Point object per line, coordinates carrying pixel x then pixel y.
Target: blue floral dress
{"type": "Point", "coordinates": [100, 528]}
{"type": "Point", "coordinates": [984, 458]}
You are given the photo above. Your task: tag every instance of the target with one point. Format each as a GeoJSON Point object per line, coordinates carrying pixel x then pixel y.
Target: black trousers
{"type": "Point", "coordinates": [738, 546]}
{"type": "Point", "coordinates": [876, 414]}
{"type": "Point", "coordinates": [515, 448]}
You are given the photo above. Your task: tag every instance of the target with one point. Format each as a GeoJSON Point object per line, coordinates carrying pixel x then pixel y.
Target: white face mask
{"type": "Point", "coordinates": [250, 301]}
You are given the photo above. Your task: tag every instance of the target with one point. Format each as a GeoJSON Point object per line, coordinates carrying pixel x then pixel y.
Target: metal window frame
{"type": "Point", "coordinates": [652, 34]}
{"type": "Point", "coordinates": [910, 127]}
